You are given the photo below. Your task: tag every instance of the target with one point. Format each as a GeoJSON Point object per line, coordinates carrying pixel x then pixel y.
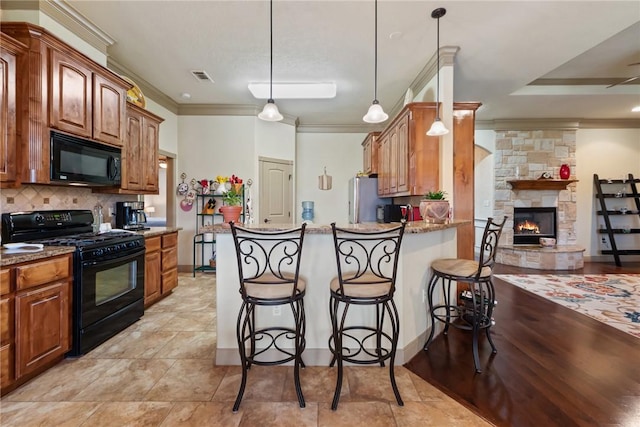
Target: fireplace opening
{"type": "Point", "coordinates": [530, 224]}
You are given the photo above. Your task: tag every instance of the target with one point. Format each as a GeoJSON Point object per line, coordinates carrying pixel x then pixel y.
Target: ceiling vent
{"type": "Point", "coordinates": [201, 76]}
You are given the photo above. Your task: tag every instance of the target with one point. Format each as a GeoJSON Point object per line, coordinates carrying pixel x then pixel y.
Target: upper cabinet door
{"type": "Point", "coordinates": [402, 135]}
{"type": "Point", "coordinates": [132, 168]}
{"type": "Point", "coordinates": [150, 138]}
{"type": "Point", "coordinates": [8, 129]}
{"type": "Point", "coordinates": [109, 114]}
{"type": "Point", "coordinates": [71, 95]}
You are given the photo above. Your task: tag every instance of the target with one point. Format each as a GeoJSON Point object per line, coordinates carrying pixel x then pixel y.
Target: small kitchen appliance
{"type": "Point", "coordinates": [108, 270]}
{"type": "Point", "coordinates": [131, 216]}
{"type": "Point", "coordinates": [389, 213]}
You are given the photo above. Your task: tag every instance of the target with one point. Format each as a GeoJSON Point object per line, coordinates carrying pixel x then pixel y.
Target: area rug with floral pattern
{"type": "Point", "coordinates": [613, 299]}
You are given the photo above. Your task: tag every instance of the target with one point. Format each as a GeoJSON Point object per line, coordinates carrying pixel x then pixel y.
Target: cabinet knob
{"type": "Point", "coordinates": [266, 220]}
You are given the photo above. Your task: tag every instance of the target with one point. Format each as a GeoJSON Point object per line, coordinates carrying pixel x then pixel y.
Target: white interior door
{"type": "Point", "coordinates": [276, 191]}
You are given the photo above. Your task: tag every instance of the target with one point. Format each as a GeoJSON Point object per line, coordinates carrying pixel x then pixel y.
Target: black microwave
{"type": "Point", "coordinates": [80, 161]}
{"type": "Point", "coordinates": [389, 213]}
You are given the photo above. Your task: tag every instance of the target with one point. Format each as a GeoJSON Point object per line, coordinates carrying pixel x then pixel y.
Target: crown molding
{"type": "Point", "coordinates": [582, 82]}
{"type": "Point", "coordinates": [147, 88]}
{"type": "Point", "coordinates": [328, 128]}
{"type": "Point", "coordinates": [64, 14]}
{"type": "Point", "coordinates": [428, 72]}
{"type": "Point", "coordinates": [228, 110]}
{"type": "Point", "coordinates": [556, 124]}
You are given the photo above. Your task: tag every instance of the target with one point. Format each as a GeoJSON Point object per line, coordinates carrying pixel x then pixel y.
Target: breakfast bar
{"type": "Point", "coordinates": [422, 243]}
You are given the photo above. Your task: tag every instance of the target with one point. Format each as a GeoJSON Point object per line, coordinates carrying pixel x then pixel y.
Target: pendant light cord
{"type": "Point", "coordinates": [271, 50]}
{"type": "Point", "coordinates": [375, 56]}
{"type": "Point", "coordinates": [438, 71]}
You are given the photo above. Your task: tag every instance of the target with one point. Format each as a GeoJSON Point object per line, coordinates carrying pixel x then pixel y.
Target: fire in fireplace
{"type": "Point", "coordinates": [530, 224]}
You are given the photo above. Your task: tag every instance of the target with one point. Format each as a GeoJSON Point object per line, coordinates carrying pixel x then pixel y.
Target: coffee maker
{"type": "Point", "coordinates": [131, 216]}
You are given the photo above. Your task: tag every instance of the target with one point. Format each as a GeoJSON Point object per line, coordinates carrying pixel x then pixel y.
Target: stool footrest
{"type": "Point", "coordinates": [461, 316]}
{"type": "Point", "coordinates": [355, 349]}
{"type": "Point", "coordinates": [270, 339]}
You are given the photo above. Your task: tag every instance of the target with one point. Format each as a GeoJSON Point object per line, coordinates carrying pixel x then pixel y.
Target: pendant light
{"type": "Point", "coordinates": [270, 111]}
{"type": "Point", "coordinates": [438, 128]}
{"type": "Point", "coordinates": [375, 114]}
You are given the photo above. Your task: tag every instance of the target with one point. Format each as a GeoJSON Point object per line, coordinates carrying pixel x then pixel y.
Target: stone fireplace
{"type": "Point", "coordinates": [526, 155]}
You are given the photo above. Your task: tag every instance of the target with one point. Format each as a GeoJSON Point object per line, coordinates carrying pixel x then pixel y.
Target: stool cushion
{"type": "Point", "coordinates": [271, 287]}
{"type": "Point", "coordinates": [365, 286]}
{"type": "Point", "coordinates": [459, 267]}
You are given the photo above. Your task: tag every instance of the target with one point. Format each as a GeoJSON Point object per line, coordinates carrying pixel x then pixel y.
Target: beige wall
{"type": "Point", "coordinates": [341, 153]}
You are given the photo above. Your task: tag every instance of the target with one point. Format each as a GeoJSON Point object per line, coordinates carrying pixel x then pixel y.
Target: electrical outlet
{"type": "Point", "coordinates": [424, 295]}
{"type": "Point", "coordinates": [277, 310]}
{"type": "Point", "coordinates": [605, 243]}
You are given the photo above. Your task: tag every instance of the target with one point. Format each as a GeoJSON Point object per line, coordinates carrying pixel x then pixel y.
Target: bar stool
{"type": "Point", "coordinates": [367, 265]}
{"type": "Point", "coordinates": [474, 311]}
{"type": "Point", "coordinates": [268, 268]}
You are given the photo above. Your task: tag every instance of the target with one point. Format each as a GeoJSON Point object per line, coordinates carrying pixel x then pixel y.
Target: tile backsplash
{"type": "Point", "coordinates": [48, 197]}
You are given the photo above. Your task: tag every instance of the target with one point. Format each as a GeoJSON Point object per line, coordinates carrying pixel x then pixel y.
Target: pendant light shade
{"type": "Point", "coordinates": [438, 128]}
{"type": "Point", "coordinates": [375, 114]}
{"type": "Point", "coordinates": [270, 111]}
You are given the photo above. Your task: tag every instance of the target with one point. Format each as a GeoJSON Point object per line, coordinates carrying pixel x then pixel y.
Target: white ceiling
{"type": "Point", "coordinates": [504, 47]}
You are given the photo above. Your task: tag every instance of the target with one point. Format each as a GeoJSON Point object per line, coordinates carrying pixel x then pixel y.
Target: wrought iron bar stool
{"type": "Point", "coordinates": [268, 268]}
{"type": "Point", "coordinates": [367, 265]}
{"type": "Point", "coordinates": [474, 308]}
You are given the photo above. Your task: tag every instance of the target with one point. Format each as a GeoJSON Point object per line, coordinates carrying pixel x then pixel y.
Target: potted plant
{"type": "Point", "coordinates": [232, 205]}
{"type": "Point", "coordinates": [434, 208]}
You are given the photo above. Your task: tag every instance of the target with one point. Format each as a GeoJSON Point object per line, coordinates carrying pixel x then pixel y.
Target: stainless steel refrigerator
{"type": "Point", "coordinates": [363, 199]}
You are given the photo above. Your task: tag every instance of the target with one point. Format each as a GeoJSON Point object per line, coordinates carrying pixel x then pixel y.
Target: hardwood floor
{"type": "Point", "coordinates": [554, 366]}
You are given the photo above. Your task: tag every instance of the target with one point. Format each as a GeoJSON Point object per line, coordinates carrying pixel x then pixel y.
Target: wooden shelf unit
{"type": "Point", "coordinates": [627, 189]}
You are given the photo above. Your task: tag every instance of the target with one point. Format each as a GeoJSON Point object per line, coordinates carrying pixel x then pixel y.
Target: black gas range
{"type": "Point", "coordinates": [108, 279]}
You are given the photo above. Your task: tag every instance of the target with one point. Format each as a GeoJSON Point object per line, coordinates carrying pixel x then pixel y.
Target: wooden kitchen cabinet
{"type": "Point", "coordinates": [7, 330]}
{"type": "Point", "coordinates": [65, 90]}
{"type": "Point", "coordinates": [409, 160]}
{"type": "Point", "coordinates": [383, 165]}
{"type": "Point", "coordinates": [394, 161]}
{"type": "Point", "coordinates": [169, 262]}
{"type": "Point", "coordinates": [370, 153]}
{"type": "Point", "coordinates": [12, 55]}
{"type": "Point", "coordinates": [35, 318]}
{"type": "Point", "coordinates": [152, 270]}
{"type": "Point", "coordinates": [161, 267]}
{"type": "Point", "coordinates": [87, 101]}
{"type": "Point", "coordinates": [140, 153]}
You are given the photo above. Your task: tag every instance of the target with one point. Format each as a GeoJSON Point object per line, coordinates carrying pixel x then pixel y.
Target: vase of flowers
{"type": "Point", "coordinates": [434, 208]}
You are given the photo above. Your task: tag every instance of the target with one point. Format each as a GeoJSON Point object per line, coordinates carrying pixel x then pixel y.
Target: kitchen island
{"type": "Point", "coordinates": [422, 243]}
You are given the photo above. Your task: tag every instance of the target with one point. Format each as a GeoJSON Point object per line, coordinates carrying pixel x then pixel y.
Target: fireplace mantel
{"type": "Point", "coordinates": [540, 184]}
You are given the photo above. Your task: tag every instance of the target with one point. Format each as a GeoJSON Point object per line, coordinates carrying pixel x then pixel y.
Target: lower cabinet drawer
{"type": "Point", "coordinates": [169, 258]}
{"type": "Point", "coordinates": [169, 280]}
{"type": "Point", "coordinates": [5, 281]}
{"type": "Point", "coordinates": [41, 272]}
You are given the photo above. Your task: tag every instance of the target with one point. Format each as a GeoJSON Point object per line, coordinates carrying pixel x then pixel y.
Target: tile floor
{"type": "Point", "coordinates": [161, 372]}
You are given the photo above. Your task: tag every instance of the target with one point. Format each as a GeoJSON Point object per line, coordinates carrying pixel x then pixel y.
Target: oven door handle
{"type": "Point", "coordinates": [113, 258]}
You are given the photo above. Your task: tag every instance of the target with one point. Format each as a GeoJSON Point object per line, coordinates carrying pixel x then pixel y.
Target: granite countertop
{"type": "Point", "coordinates": [7, 259]}
{"type": "Point", "coordinates": [416, 227]}
{"type": "Point", "coordinates": [158, 231]}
